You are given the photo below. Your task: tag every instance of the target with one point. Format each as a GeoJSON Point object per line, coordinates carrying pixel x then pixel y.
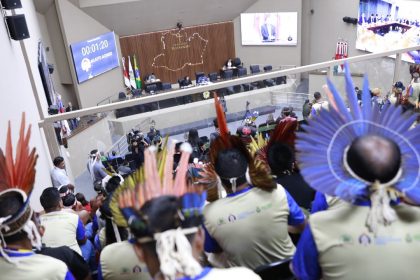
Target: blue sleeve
{"type": "Point", "coordinates": [69, 276]}
{"type": "Point", "coordinates": [99, 275]}
{"type": "Point", "coordinates": [97, 243]}
{"type": "Point", "coordinates": [319, 203]}
{"type": "Point", "coordinates": [305, 260]}
{"type": "Point", "coordinates": [296, 215]}
{"type": "Point", "coordinates": [80, 231]}
{"type": "Point", "coordinates": [210, 244]}
{"type": "Point", "coordinates": [95, 225]}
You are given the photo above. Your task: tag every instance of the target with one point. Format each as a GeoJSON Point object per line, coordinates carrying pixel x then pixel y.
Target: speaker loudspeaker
{"type": "Point", "coordinates": [18, 28]}
{"type": "Point", "coordinates": [11, 4]}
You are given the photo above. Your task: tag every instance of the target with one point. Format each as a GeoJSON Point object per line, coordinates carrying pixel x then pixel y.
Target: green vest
{"type": "Point", "coordinates": [347, 250]}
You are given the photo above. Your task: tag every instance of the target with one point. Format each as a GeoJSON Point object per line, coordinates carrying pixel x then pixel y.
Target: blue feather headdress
{"type": "Point", "coordinates": [321, 148]}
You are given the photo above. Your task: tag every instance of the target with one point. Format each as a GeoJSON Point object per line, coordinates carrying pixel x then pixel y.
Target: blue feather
{"type": "Point", "coordinates": [341, 107]}
{"type": "Point", "coordinates": [351, 94]}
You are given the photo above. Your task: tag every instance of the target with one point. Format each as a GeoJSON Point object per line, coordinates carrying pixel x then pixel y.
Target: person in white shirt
{"type": "Point", "coordinates": [62, 228]}
{"type": "Point", "coordinates": [58, 174]}
{"type": "Point", "coordinates": [318, 105]}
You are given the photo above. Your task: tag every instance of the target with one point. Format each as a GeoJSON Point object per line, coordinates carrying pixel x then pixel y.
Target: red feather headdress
{"type": "Point", "coordinates": [257, 172]}
{"type": "Point", "coordinates": [17, 175]}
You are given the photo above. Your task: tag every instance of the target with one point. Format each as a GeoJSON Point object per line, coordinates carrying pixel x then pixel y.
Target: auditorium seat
{"type": "Point", "coordinates": [237, 88]}
{"type": "Point", "coordinates": [213, 77]}
{"type": "Point", "coordinates": [121, 96]}
{"type": "Point", "coordinates": [198, 75]}
{"type": "Point", "coordinates": [236, 62]}
{"type": "Point", "coordinates": [281, 80]}
{"type": "Point", "coordinates": [276, 271]}
{"type": "Point", "coordinates": [151, 88]}
{"type": "Point", "coordinates": [254, 69]}
{"type": "Point", "coordinates": [166, 86]}
{"type": "Point", "coordinates": [268, 68]}
{"type": "Point", "coordinates": [136, 92]}
{"type": "Point", "coordinates": [228, 74]}
{"type": "Point", "coordinates": [242, 72]}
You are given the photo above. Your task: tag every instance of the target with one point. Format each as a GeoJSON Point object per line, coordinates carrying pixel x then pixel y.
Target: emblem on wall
{"type": "Point", "coordinates": [180, 50]}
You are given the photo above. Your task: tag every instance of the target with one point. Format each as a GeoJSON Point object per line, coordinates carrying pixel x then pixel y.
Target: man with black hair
{"type": "Point", "coordinates": [281, 160]}
{"type": "Point", "coordinates": [96, 167]}
{"type": "Point", "coordinates": [61, 227]}
{"type": "Point", "coordinates": [318, 105]}
{"type": "Point", "coordinates": [59, 175]}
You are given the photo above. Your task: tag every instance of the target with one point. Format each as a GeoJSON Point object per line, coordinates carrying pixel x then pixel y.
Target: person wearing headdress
{"type": "Point", "coordinates": [164, 215]}
{"type": "Point", "coordinates": [279, 154]}
{"type": "Point", "coordinates": [371, 160]}
{"type": "Point", "coordinates": [18, 233]}
{"type": "Point", "coordinates": [95, 166]}
{"type": "Point", "coordinates": [256, 211]}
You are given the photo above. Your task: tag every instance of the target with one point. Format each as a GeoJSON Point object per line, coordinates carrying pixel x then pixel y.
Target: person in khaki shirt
{"type": "Point", "coordinates": [370, 160]}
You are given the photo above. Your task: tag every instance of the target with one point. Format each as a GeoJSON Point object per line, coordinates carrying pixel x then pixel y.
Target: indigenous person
{"type": "Point", "coordinates": [256, 211]}
{"type": "Point", "coordinates": [165, 217]}
{"type": "Point", "coordinates": [18, 233]}
{"type": "Point", "coordinates": [62, 228]}
{"type": "Point", "coordinates": [370, 159]}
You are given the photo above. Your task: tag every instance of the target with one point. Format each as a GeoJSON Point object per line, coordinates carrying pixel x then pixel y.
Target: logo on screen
{"type": "Point", "coordinates": [86, 65]}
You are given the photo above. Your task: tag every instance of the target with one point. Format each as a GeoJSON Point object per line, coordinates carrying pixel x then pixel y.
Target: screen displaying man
{"type": "Point", "coordinates": [268, 30]}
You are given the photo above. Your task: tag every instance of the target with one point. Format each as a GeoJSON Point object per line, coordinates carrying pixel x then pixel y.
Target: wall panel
{"type": "Point", "coordinates": [173, 54]}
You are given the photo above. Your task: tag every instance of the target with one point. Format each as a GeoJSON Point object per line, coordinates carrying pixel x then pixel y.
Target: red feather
{"type": "Point", "coordinates": [284, 132]}
{"type": "Point", "coordinates": [221, 120]}
{"type": "Point", "coordinates": [18, 173]}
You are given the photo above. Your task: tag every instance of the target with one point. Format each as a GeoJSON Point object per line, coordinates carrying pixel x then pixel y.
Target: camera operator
{"type": "Point", "coordinates": [138, 144]}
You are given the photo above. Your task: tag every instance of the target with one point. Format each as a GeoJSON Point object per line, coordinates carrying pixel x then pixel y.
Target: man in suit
{"type": "Point", "coordinates": [268, 31]}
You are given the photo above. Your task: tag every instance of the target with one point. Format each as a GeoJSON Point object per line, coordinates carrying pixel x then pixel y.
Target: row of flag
{"type": "Point", "coordinates": [131, 77]}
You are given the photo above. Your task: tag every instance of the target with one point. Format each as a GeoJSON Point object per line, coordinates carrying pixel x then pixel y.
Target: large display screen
{"type": "Point", "coordinates": [95, 56]}
{"type": "Point", "coordinates": [385, 25]}
{"type": "Point", "coordinates": [269, 29]}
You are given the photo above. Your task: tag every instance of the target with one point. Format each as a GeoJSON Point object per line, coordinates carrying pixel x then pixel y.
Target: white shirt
{"type": "Point", "coordinates": [59, 177]}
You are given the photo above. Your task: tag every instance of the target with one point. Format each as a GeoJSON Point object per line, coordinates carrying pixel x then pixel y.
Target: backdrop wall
{"type": "Point", "coordinates": [173, 54]}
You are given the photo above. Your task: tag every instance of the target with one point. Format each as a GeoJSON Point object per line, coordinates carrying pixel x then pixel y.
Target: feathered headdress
{"type": "Point", "coordinates": [154, 180]}
{"type": "Point", "coordinates": [284, 132]}
{"type": "Point", "coordinates": [257, 174]}
{"type": "Point", "coordinates": [17, 176]}
{"type": "Point", "coordinates": [323, 145]}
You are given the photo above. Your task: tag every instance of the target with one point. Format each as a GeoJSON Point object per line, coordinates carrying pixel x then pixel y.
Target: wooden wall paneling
{"type": "Point", "coordinates": [165, 52]}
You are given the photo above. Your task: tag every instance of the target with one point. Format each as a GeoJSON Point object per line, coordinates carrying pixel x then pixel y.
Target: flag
{"type": "Point", "coordinates": [126, 77]}
{"type": "Point", "coordinates": [137, 73]}
{"type": "Point", "coordinates": [131, 74]}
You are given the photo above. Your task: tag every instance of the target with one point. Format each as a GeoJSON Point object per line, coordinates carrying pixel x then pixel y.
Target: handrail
{"type": "Point", "coordinates": [217, 85]}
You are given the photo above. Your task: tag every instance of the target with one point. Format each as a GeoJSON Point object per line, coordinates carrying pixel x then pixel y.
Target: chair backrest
{"type": "Point", "coordinates": [236, 62]}
{"type": "Point", "coordinates": [242, 72]}
{"type": "Point", "coordinates": [268, 68]}
{"type": "Point", "coordinates": [166, 86]}
{"type": "Point", "coordinates": [136, 92]}
{"type": "Point", "coordinates": [276, 271]}
{"type": "Point", "coordinates": [228, 74]}
{"type": "Point", "coordinates": [151, 87]}
{"type": "Point", "coordinates": [198, 75]}
{"type": "Point", "coordinates": [254, 69]}
{"type": "Point", "coordinates": [213, 77]}
{"type": "Point", "coordinates": [281, 80]}
{"type": "Point", "coordinates": [121, 96]}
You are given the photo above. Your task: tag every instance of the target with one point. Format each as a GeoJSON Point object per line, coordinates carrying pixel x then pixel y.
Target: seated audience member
{"type": "Point", "coordinates": [256, 211]}
{"type": "Point", "coordinates": [58, 173]}
{"type": "Point", "coordinates": [186, 81]}
{"type": "Point", "coordinates": [167, 225]}
{"type": "Point", "coordinates": [113, 155]}
{"type": "Point", "coordinates": [318, 104]}
{"type": "Point", "coordinates": [96, 167]}
{"type": "Point", "coordinates": [124, 169]}
{"type": "Point", "coordinates": [215, 133]}
{"type": "Point", "coordinates": [81, 198]}
{"type": "Point", "coordinates": [371, 235]}
{"type": "Point", "coordinates": [151, 78]}
{"type": "Point", "coordinates": [19, 234]}
{"type": "Point", "coordinates": [62, 228]}
{"type": "Point", "coordinates": [281, 159]}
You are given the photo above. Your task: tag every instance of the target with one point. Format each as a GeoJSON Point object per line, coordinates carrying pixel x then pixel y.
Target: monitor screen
{"type": "Point", "coordinates": [388, 25]}
{"type": "Point", "coordinates": [94, 56]}
{"type": "Point", "coordinates": [269, 29]}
